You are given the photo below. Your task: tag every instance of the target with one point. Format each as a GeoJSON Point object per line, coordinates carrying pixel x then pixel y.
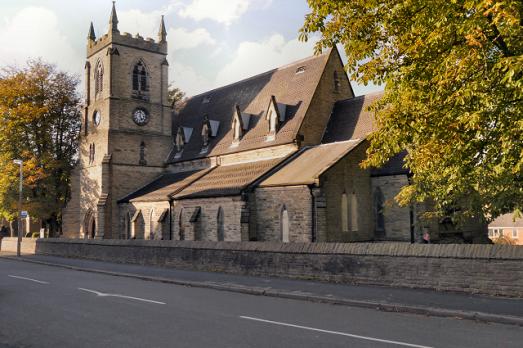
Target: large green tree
{"type": "Point", "coordinates": [39, 123]}
{"type": "Point", "coordinates": [453, 76]}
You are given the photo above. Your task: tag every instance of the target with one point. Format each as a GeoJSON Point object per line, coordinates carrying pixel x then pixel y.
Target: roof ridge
{"type": "Point", "coordinates": [286, 66]}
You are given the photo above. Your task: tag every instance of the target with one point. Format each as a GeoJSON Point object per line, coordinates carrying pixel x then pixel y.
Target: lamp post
{"type": "Point", "coordinates": [19, 243]}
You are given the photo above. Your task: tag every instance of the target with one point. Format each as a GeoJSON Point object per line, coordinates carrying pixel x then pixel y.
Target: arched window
{"type": "Point", "coordinates": [140, 78]}
{"type": "Point", "coordinates": [354, 212]}
{"type": "Point", "coordinates": [181, 226]}
{"type": "Point", "coordinates": [284, 225]}
{"type": "Point", "coordinates": [379, 205]}
{"type": "Point", "coordinates": [344, 213]}
{"type": "Point", "coordinates": [99, 78]}
{"type": "Point", "coordinates": [151, 225]}
{"type": "Point", "coordinates": [219, 223]}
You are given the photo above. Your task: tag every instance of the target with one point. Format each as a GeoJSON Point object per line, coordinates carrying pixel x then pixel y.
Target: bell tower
{"type": "Point", "coordinates": [126, 135]}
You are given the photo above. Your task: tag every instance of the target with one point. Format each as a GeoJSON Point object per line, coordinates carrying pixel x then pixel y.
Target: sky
{"type": "Point", "coordinates": [211, 42]}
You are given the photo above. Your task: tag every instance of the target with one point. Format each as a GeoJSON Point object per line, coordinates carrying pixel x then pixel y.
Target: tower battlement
{"type": "Point", "coordinates": [126, 39]}
{"type": "Point", "coordinates": [113, 37]}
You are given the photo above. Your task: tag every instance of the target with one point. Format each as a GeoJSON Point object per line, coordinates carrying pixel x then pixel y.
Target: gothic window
{"type": "Point", "coordinates": [379, 216]}
{"type": "Point", "coordinates": [151, 225]}
{"type": "Point", "coordinates": [99, 78]}
{"type": "Point", "coordinates": [197, 223]}
{"type": "Point", "coordinates": [354, 212]}
{"type": "Point", "coordinates": [344, 213]}
{"type": "Point", "coordinates": [337, 82]}
{"type": "Point", "coordinates": [284, 221]}
{"type": "Point", "coordinates": [140, 78]}
{"type": "Point", "coordinates": [220, 224]}
{"type": "Point", "coordinates": [91, 153]}
{"type": "Point", "coordinates": [142, 161]}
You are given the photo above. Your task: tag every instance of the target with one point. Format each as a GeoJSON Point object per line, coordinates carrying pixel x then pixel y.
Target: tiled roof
{"type": "Point", "coordinates": [506, 220]}
{"type": "Point", "coordinates": [253, 95]}
{"type": "Point", "coordinates": [227, 180]}
{"type": "Point", "coordinates": [306, 168]}
{"type": "Point", "coordinates": [351, 119]}
{"type": "Point", "coordinates": [162, 187]}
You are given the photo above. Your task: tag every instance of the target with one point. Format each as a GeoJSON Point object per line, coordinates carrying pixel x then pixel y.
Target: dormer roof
{"type": "Point", "coordinates": [252, 95]}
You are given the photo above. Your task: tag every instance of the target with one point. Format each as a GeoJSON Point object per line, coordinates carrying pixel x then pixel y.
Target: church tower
{"type": "Point", "coordinates": [126, 130]}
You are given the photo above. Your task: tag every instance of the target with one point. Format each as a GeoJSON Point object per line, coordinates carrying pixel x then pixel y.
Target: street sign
{"type": "Point", "coordinates": [23, 214]}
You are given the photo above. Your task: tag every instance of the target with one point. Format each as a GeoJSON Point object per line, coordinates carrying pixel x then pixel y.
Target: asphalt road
{"type": "Point", "coordinates": [43, 306]}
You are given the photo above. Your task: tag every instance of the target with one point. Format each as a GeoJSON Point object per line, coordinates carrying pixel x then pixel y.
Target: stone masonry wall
{"type": "Point", "coordinates": [397, 219]}
{"type": "Point", "coordinates": [486, 269]}
{"type": "Point", "coordinates": [206, 226]}
{"type": "Point", "coordinates": [269, 203]}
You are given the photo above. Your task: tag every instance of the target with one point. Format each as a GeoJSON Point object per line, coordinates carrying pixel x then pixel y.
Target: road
{"type": "Point", "coordinates": [43, 306]}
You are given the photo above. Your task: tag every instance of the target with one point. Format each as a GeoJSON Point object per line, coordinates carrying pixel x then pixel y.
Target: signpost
{"type": "Point", "coordinates": [19, 243]}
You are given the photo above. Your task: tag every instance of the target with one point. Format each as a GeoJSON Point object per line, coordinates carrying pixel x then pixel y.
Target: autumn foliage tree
{"type": "Point", "coordinates": [453, 71]}
{"type": "Point", "coordinates": [39, 123]}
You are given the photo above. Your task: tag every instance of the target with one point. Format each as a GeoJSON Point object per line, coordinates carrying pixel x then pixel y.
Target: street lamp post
{"type": "Point", "coordinates": [19, 243]}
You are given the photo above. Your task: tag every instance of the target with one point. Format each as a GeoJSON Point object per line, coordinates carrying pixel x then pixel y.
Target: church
{"type": "Point", "coordinates": [274, 157]}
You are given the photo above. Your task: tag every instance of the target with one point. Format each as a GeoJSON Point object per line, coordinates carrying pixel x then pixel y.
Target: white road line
{"type": "Point", "coordinates": [336, 333]}
{"type": "Point", "coordinates": [101, 294]}
{"type": "Point", "coordinates": [24, 278]}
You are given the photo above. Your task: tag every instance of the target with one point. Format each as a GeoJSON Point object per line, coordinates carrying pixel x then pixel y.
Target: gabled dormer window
{"type": "Point", "coordinates": [179, 141]}
{"type": "Point", "coordinates": [237, 126]}
{"type": "Point", "coordinates": [206, 134]}
{"type": "Point", "coordinates": [275, 116]}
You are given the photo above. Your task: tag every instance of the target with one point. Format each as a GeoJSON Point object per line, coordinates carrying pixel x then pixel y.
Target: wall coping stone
{"type": "Point", "coordinates": [458, 251]}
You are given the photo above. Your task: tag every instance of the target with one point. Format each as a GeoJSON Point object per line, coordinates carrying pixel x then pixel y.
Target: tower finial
{"type": "Point", "coordinates": [113, 21]}
{"type": "Point", "coordinates": [162, 33]}
{"type": "Point", "coordinates": [91, 36]}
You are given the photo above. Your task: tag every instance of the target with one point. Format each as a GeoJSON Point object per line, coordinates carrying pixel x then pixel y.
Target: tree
{"type": "Point", "coordinates": [176, 97]}
{"type": "Point", "coordinates": [453, 76]}
{"type": "Point", "coordinates": [39, 123]}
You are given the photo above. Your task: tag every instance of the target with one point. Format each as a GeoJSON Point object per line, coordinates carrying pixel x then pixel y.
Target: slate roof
{"type": "Point", "coordinates": [351, 119]}
{"type": "Point", "coordinates": [161, 188]}
{"type": "Point", "coordinates": [307, 167]}
{"type": "Point", "coordinates": [253, 95]}
{"type": "Point", "coordinates": [227, 180]}
{"type": "Point", "coordinates": [506, 220]}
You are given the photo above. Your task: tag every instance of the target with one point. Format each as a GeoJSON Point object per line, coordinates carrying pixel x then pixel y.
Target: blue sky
{"type": "Point", "coordinates": [211, 42]}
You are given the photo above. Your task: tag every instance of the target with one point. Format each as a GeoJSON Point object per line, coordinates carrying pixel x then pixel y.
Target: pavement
{"type": "Point", "coordinates": [414, 301]}
{"type": "Point", "coordinates": [48, 306]}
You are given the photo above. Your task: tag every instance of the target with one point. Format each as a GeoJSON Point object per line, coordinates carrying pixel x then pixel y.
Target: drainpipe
{"type": "Point", "coordinates": [314, 216]}
{"type": "Point", "coordinates": [170, 220]}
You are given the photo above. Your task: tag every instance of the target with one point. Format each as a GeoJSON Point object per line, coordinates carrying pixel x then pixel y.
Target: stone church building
{"type": "Point", "coordinates": [274, 157]}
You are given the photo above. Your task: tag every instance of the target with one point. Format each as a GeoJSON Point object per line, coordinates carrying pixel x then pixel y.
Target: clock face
{"type": "Point", "coordinates": [97, 117]}
{"type": "Point", "coordinates": [140, 117]}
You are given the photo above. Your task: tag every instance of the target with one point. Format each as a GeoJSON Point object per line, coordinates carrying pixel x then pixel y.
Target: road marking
{"type": "Point", "coordinates": [101, 294]}
{"type": "Point", "coordinates": [336, 332]}
{"type": "Point", "coordinates": [24, 278]}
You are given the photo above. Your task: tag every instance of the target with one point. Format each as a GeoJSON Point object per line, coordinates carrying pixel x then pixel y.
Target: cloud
{"type": "Point", "coordinates": [186, 78]}
{"type": "Point", "coordinates": [221, 11]}
{"type": "Point", "coordinates": [34, 32]}
{"type": "Point", "coordinates": [181, 38]}
{"type": "Point", "coordinates": [252, 58]}
{"type": "Point", "coordinates": [145, 23]}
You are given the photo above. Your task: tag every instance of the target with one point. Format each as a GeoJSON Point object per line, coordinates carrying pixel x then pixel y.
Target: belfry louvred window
{"type": "Point", "coordinates": [99, 78]}
{"type": "Point", "coordinates": [140, 78]}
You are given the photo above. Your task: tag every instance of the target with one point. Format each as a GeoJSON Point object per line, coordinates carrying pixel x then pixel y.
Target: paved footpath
{"type": "Point", "coordinates": [419, 301]}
